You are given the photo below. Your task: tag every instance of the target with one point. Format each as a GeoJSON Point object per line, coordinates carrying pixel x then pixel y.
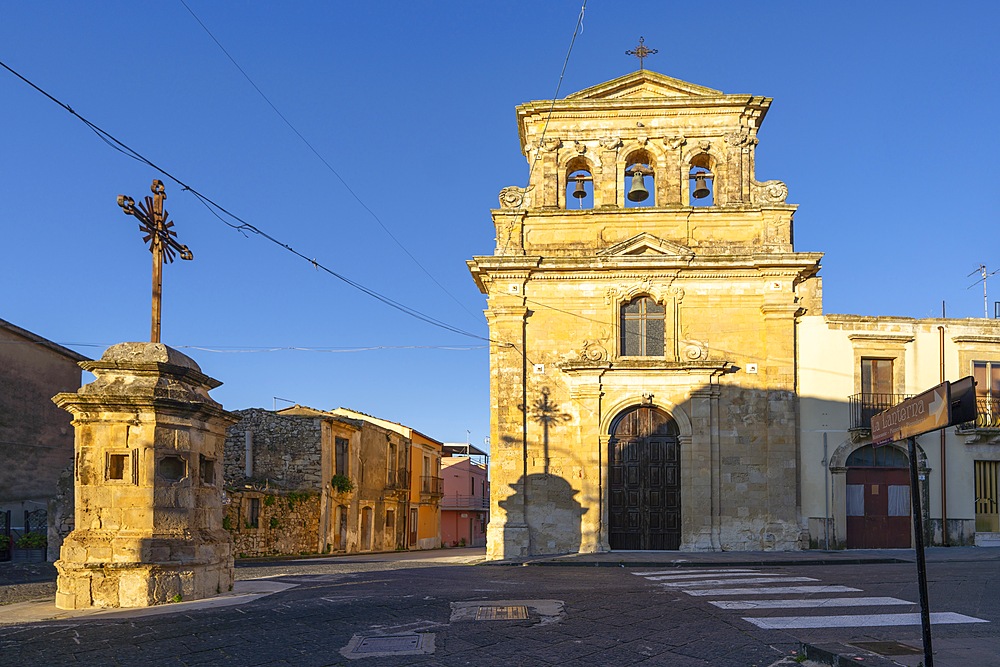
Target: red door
{"type": "Point", "coordinates": [878, 508]}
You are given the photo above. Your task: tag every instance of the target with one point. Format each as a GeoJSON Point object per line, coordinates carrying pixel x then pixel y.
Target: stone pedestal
{"type": "Point", "coordinates": [148, 483]}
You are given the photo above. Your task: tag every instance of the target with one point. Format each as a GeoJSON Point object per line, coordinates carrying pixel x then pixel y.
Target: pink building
{"type": "Point", "coordinates": [465, 507]}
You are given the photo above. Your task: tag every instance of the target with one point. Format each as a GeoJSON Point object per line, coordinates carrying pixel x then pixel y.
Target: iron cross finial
{"type": "Point", "coordinates": [641, 51]}
{"type": "Point", "coordinates": [154, 223]}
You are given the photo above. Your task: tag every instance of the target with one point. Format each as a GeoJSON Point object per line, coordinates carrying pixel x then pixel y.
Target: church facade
{"type": "Point", "coordinates": [642, 302]}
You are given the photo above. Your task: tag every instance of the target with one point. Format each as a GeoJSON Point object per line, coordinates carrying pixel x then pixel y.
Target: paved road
{"type": "Point", "coordinates": [360, 610]}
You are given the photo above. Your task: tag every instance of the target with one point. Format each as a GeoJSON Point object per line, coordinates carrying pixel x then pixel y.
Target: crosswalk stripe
{"type": "Point", "coordinates": [805, 603]}
{"type": "Point", "coordinates": [699, 571]}
{"type": "Point", "coordinates": [771, 590]}
{"type": "Point", "coordinates": [857, 621]}
{"type": "Point", "coordinates": [724, 582]}
{"type": "Point", "coordinates": [667, 577]}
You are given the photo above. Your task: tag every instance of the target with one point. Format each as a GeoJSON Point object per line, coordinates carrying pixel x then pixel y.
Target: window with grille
{"type": "Point", "coordinates": [642, 328]}
{"type": "Point", "coordinates": [987, 514]}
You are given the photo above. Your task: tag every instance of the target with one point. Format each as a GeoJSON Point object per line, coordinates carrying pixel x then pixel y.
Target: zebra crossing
{"type": "Point", "coordinates": [721, 586]}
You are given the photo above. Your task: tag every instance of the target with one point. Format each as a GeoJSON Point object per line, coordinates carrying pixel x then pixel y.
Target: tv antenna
{"type": "Point", "coordinates": [983, 272]}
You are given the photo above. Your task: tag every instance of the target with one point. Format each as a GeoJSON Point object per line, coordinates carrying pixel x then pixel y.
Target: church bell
{"type": "Point", "coordinates": [579, 192]}
{"type": "Point", "coordinates": [638, 191]}
{"type": "Point", "coordinates": [700, 187]}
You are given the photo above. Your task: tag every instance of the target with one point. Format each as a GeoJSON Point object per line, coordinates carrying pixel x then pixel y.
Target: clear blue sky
{"type": "Point", "coordinates": [884, 127]}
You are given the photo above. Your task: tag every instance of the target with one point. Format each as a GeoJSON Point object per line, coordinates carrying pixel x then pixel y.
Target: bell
{"type": "Point", "coordinates": [638, 191]}
{"type": "Point", "coordinates": [579, 192]}
{"type": "Point", "coordinates": [700, 187]}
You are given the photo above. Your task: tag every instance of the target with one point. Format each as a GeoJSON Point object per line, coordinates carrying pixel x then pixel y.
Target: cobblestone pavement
{"type": "Point", "coordinates": [361, 611]}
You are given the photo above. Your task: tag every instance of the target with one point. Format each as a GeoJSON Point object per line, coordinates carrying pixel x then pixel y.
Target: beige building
{"type": "Point", "coordinates": [852, 367]}
{"type": "Point", "coordinates": [302, 480]}
{"type": "Point", "coordinates": [643, 336]}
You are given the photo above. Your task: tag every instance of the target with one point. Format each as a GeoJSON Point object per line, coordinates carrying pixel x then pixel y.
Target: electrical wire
{"type": "Point", "coordinates": [326, 163]}
{"type": "Point", "coordinates": [548, 117]}
{"type": "Point", "coordinates": [244, 226]}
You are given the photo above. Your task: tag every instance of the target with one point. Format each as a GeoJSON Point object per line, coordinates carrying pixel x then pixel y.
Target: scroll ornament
{"type": "Point", "coordinates": [769, 192]}
{"type": "Point", "coordinates": [741, 138]}
{"type": "Point", "coordinates": [594, 350]}
{"type": "Point", "coordinates": [514, 197]}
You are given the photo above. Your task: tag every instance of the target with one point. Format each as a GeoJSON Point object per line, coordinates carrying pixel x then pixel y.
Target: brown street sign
{"type": "Point", "coordinates": [947, 404]}
{"type": "Point", "coordinates": [926, 412]}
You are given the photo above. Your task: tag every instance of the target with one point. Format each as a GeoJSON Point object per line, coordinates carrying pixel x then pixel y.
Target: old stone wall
{"type": "Point", "coordinates": [286, 523]}
{"type": "Point", "coordinates": [285, 451]}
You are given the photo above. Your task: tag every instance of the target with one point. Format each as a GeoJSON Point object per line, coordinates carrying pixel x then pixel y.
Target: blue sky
{"type": "Point", "coordinates": [883, 126]}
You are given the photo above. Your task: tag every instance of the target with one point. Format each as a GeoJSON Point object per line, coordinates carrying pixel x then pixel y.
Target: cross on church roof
{"type": "Point", "coordinates": [641, 51]}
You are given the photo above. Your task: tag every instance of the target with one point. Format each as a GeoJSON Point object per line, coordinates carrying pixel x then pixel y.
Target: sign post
{"type": "Point", "coordinates": [948, 404]}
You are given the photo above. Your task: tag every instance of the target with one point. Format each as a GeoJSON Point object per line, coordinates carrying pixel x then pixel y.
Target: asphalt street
{"type": "Point", "coordinates": [438, 609]}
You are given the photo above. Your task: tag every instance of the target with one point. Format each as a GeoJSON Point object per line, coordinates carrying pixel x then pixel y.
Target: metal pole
{"type": "Point", "coordinates": [918, 539]}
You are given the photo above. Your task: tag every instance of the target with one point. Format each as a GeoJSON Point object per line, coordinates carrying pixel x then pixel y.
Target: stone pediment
{"type": "Point", "coordinates": [648, 245]}
{"type": "Point", "coordinates": [643, 84]}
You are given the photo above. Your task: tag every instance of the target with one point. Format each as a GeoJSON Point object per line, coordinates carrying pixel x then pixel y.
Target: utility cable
{"type": "Point", "coordinates": [548, 117]}
{"type": "Point", "coordinates": [326, 163]}
{"type": "Point", "coordinates": [243, 225]}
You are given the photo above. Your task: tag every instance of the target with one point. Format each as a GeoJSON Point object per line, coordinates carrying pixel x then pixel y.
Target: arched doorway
{"type": "Point", "coordinates": [878, 498]}
{"type": "Point", "coordinates": [644, 481]}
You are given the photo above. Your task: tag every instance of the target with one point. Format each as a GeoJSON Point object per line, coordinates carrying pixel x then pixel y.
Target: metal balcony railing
{"type": "Point", "coordinates": [458, 502]}
{"type": "Point", "coordinates": [398, 479]}
{"type": "Point", "coordinates": [865, 406]}
{"type": "Point", "coordinates": [987, 414]}
{"type": "Point", "coordinates": [433, 486]}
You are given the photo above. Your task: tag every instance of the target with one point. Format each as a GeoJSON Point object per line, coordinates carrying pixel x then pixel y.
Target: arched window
{"type": "Point", "coordinates": [870, 456]}
{"type": "Point", "coordinates": [642, 325]}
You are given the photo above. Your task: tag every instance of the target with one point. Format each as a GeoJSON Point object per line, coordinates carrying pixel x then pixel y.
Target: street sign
{"type": "Point", "coordinates": [928, 411]}
{"type": "Point", "coordinates": [947, 404]}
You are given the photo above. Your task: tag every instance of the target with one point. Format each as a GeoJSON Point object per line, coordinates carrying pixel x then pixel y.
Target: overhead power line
{"type": "Point", "coordinates": [243, 225]}
{"type": "Point", "coordinates": [325, 162]}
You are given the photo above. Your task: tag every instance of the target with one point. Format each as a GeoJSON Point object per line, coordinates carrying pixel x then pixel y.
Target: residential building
{"type": "Point", "coordinates": [36, 437]}
{"type": "Point", "coordinates": [423, 516]}
{"type": "Point", "coordinates": [855, 495]}
{"type": "Point", "coordinates": [302, 480]}
{"type": "Point", "coordinates": [466, 502]}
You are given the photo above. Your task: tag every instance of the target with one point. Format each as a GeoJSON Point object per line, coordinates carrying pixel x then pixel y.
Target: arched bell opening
{"type": "Point", "coordinates": [640, 181]}
{"type": "Point", "coordinates": [701, 181]}
{"type": "Point", "coordinates": [579, 184]}
{"type": "Point", "coordinates": [644, 488]}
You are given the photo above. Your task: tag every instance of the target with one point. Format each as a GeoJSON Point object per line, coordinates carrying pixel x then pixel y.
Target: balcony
{"type": "Point", "coordinates": [987, 415]}
{"type": "Point", "coordinates": [457, 502]}
{"type": "Point", "coordinates": [865, 406]}
{"type": "Point", "coordinates": [432, 486]}
{"type": "Point", "coordinates": [398, 480]}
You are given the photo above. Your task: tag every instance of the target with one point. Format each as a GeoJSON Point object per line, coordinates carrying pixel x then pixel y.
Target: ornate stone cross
{"type": "Point", "coordinates": [641, 51]}
{"type": "Point", "coordinates": [154, 224]}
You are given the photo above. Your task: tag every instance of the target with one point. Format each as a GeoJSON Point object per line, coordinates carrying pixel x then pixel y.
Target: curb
{"type": "Point", "coordinates": [842, 655]}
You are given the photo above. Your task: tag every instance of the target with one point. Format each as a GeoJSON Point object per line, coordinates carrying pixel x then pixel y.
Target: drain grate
{"type": "Point", "coordinates": [390, 644]}
{"type": "Point", "coordinates": [502, 613]}
{"type": "Point", "coordinates": [888, 648]}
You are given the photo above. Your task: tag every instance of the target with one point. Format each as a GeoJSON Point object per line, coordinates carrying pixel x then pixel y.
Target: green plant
{"type": "Point", "coordinates": [274, 523]}
{"type": "Point", "coordinates": [176, 598]}
{"type": "Point", "coordinates": [268, 501]}
{"type": "Point", "coordinates": [341, 484]}
{"type": "Point", "coordinates": [227, 523]}
{"type": "Point", "coordinates": [461, 542]}
{"type": "Point", "coordinates": [32, 540]}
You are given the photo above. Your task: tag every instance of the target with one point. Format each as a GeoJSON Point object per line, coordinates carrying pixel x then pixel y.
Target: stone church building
{"type": "Point", "coordinates": [642, 304]}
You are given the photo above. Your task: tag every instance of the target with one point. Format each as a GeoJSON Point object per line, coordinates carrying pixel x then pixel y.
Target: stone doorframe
{"type": "Point", "coordinates": [838, 486]}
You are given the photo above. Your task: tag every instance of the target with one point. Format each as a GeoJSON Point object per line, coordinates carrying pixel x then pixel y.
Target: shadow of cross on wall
{"type": "Point", "coordinates": [545, 412]}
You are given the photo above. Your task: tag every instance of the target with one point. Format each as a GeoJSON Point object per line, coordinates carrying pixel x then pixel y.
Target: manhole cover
{"type": "Point", "coordinates": [888, 648]}
{"type": "Point", "coordinates": [499, 613]}
{"type": "Point", "coordinates": [389, 644]}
